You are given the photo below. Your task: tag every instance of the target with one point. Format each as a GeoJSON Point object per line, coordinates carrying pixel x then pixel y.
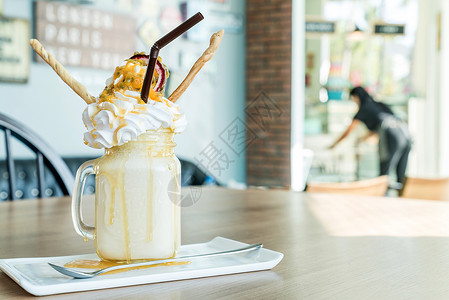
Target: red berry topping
{"type": "Point", "coordinates": [140, 56]}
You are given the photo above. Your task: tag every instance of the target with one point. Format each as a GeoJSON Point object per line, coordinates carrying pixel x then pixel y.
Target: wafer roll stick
{"type": "Point", "coordinates": [207, 55]}
{"type": "Point", "coordinates": [74, 84]}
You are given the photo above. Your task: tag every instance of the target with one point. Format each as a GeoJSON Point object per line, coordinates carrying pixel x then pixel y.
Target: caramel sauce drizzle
{"type": "Point", "coordinates": [150, 198]}
{"type": "Point", "coordinates": [124, 210]}
{"type": "Point", "coordinates": [176, 206]}
{"type": "Point", "coordinates": [130, 80]}
{"type": "Point", "coordinates": [106, 178]}
{"type": "Point", "coordinates": [101, 264]}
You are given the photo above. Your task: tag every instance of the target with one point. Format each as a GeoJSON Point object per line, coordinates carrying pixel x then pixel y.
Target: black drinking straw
{"type": "Point", "coordinates": [158, 45]}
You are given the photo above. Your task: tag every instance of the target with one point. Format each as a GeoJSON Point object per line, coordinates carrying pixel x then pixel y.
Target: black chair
{"type": "Point", "coordinates": [46, 159]}
{"type": "Point", "coordinates": [191, 174]}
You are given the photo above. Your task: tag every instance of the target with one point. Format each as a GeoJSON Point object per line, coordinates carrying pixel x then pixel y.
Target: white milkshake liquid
{"type": "Point", "coordinates": [137, 191]}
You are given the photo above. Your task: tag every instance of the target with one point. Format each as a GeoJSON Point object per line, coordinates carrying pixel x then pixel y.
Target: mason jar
{"type": "Point", "coordinates": [137, 191]}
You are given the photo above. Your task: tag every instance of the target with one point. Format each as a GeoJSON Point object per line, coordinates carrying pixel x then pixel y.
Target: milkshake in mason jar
{"type": "Point", "coordinates": [137, 179]}
{"type": "Point", "coordinates": [136, 212]}
{"type": "Point", "coordinates": [137, 195]}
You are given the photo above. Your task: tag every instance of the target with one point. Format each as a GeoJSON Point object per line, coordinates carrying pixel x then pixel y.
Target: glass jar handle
{"type": "Point", "coordinates": [81, 228]}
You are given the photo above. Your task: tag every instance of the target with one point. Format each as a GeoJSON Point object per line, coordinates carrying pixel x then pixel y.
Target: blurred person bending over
{"type": "Point", "coordinates": [394, 137]}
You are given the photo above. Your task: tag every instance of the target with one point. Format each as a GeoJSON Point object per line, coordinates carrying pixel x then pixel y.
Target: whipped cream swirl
{"type": "Point", "coordinates": [123, 119]}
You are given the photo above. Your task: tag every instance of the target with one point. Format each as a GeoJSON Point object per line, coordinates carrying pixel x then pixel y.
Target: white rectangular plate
{"type": "Point", "coordinates": [39, 279]}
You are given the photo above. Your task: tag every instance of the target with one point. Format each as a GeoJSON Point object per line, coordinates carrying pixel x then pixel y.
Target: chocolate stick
{"type": "Point", "coordinates": [158, 45]}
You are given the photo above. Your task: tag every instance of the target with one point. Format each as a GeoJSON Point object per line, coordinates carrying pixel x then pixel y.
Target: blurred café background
{"type": "Point", "coordinates": [265, 109]}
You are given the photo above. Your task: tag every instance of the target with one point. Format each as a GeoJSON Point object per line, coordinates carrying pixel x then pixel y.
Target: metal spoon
{"type": "Point", "coordinates": [82, 275]}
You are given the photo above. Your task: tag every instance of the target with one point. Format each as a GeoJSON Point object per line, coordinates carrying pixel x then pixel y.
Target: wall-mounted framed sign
{"type": "Point", "coordinates": [14, 49]}
{"type": "Point", "coordinates": [78, 35]}
{"type": "Point", "coordinates": [389, 29]}
{"type": "Point", "coordinates": [316, 27]}
{"type": "Point", "coordinates": [320, 27]}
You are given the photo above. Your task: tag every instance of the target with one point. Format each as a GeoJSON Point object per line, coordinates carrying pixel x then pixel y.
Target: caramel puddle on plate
{"type": "Point", "coordinates": [101, 264]}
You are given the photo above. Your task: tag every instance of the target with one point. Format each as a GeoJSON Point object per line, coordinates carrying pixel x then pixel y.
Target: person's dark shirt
{"type": "Point", "coordinates": [371, 114]}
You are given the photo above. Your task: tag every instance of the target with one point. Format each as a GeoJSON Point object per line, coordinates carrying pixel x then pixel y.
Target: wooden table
{"type": "Point", "coordinates": [335, 247]}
